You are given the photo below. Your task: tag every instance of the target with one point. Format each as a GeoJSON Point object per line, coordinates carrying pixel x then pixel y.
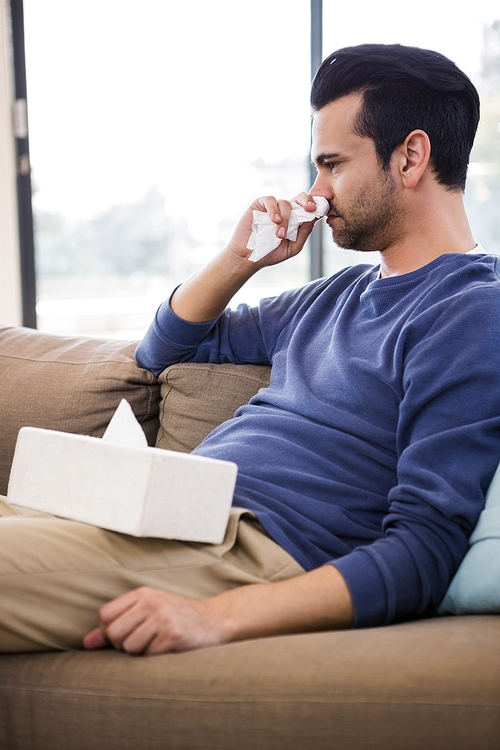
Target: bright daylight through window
{"type": "Point", "coordinates": [152, 126]}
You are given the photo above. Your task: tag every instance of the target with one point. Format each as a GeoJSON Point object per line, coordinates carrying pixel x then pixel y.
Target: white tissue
{"type": "Point", "coordinates": [124, 429]}
{"type": "Point", "coordinates": [263, 239]}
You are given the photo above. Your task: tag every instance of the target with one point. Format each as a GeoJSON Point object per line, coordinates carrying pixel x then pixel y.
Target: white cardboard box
{"type": "Point", "coordinates": [139, 491]}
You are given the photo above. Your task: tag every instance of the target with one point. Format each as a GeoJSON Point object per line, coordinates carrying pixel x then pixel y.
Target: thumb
{"type": "Point", "coordinates": [95, 639]}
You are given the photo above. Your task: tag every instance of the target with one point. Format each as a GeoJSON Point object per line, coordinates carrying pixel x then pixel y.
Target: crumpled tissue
{"type": "Point", "coordinates": [263, 239]}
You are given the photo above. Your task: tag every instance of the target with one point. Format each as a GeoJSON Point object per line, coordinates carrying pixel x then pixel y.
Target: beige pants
{"type": "Point", "coordinates": [55, 574]}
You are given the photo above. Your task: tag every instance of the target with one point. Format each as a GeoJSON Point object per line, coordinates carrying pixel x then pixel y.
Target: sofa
{"type": "Point", "coordinates": [431, 684]}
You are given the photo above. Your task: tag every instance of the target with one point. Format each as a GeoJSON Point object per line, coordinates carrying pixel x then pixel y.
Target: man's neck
{"type": "Point", "coordinates": [439, 227]}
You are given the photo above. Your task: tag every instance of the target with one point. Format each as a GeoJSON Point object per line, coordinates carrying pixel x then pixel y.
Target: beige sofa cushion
{"type": "Point", "coordinates": [429, 685]}
{"type": "Point", "coordinates": [196, 398]}
{"type": "Point", "coordinates": [71, 384]}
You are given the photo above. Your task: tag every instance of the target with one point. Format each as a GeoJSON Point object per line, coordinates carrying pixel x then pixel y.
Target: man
{"type": "Point", "coordinates": [363, 467]}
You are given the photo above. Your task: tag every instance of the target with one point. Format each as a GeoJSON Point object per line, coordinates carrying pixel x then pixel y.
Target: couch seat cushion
{"type": "Point", "coordinates": [418, 686]}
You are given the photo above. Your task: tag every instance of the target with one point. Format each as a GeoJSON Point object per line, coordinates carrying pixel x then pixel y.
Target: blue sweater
{"type": "Point", "coordinates": [374, 445]}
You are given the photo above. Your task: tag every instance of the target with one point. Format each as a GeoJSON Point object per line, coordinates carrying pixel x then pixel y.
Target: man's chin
{"type": "Point", "coordinates": [346, 243]}
{"type": "Point", "coordinates": [341, 240]}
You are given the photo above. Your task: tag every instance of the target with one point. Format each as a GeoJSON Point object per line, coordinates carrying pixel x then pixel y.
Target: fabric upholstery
{"type": "Point", "coordinates": [196, 398]}
{"type": "Point", "coordinates": [71, 384]}
{"type": "Point", "coordinates": [430, 685]}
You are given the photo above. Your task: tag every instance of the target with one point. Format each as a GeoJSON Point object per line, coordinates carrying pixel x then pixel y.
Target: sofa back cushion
{"type": "Point", "coordinates": [70, 384]}
{"type": "Point", "coordinates": [196, 398]}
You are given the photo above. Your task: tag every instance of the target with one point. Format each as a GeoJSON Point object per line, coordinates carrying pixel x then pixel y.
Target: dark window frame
{"type": "Point", "coordinates": [23, 170]}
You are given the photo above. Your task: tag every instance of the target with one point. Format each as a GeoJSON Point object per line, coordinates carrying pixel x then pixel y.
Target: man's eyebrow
{"type": "Point", "coordinates": [322, 158]}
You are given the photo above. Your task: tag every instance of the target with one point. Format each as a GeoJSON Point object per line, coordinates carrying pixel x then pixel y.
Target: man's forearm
{"type": "Point", "coordinates": [319, 600]}
{"type": "Point", "coordinates": [207, 294]}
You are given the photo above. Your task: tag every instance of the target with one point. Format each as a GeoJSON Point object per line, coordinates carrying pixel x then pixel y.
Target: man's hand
{"type": "Point", "coordinates": [279, 212]}
{"type": "Point", "coordinates": [152, 621]}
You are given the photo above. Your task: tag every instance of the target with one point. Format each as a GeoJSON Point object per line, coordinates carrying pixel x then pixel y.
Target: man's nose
{"type": "Point", "coordinates": [320, 188]}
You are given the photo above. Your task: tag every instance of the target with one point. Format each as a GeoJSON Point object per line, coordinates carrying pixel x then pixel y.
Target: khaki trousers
{"type": "Point", "coordinates": [55, 574]}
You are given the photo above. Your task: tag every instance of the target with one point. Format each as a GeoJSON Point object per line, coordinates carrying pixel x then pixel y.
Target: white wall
{"type": "Point", "coordinates": [10, 282]}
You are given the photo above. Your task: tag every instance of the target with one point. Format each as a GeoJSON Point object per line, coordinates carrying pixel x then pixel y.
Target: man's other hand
{"type": "Point", "coordinates": [152, 621]}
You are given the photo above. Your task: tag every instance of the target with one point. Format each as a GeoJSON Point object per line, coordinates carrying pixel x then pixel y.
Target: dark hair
{"type": "Point", "coordinates": [405, 89]}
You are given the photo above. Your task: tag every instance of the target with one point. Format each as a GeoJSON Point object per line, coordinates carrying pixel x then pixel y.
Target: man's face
{"type": "Point", "coordinates": [366, 212]}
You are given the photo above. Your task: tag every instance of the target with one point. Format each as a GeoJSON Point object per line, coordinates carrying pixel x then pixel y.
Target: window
{"type": "Point", "coordinates": [152, 127]}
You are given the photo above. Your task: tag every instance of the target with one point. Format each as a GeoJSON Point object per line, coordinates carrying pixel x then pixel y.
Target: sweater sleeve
{"type": "Point", "coordinates": [246, 335]}
{"type": "Point", "coordinates": [448, 446]}
{"type": "Point", "coordinates": [233, 337]}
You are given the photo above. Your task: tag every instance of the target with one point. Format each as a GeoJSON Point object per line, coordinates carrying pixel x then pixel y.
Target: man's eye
{"type": "Point", "coordinates": [332, 165]}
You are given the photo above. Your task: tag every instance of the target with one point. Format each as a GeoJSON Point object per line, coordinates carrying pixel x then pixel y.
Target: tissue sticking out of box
{"type": "Point", "coordinates": [124, 429]}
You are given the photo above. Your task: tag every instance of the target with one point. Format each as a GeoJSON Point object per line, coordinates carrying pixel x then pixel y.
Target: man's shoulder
{"type": "Point", "coordinates": [463, 292]}
{"type": "Point", "coordinates": [462, 273]}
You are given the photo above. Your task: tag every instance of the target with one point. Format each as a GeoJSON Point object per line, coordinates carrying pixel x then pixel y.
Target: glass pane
{"type": "Point", "coordinates": [152, 127]}
{"type": "Point", "coordinates": [468, 36]}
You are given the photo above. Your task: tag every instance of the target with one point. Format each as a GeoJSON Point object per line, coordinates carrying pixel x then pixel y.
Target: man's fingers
{"type": "Point", "coordinates": [269, 204]}
{"type": "Point", "coordinates": [95, 639]}
{"type": "Point", "coordinates": [306, 201]}
{"type": "Point", "coordinates": [278, 210]}
{"type": "Point", "coordinates": [134, 620]}
{"type": "Point", "coordinates": [116, 607]}
{"type": "Point", "coordinates": [139, 639]}
{"type": "Point", "coordinates": [119, 618]}
{"type": "Point", "coordinates": [128, 622]}
{"type": "Point", "coordinates": [285, 209]}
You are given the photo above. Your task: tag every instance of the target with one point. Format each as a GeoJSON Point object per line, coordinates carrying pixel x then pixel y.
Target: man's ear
{"type": "Point", "coordinates": [412, 157]}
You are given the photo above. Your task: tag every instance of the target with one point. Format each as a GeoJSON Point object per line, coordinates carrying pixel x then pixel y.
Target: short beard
{"type": "Point", "coordinates": [376, 220]}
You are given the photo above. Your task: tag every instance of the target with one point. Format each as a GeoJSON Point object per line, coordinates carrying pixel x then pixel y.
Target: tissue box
{"type": "Point", "coordinates": [138, 491]}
